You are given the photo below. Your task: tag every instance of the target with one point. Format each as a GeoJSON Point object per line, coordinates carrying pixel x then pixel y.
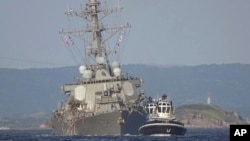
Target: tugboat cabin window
{"type": "Point", "coordinates": [168, 110]}
{"type": "Point", "coordinates": [162, 107]}
{"type": "Point", "coordinates": [150, 108]}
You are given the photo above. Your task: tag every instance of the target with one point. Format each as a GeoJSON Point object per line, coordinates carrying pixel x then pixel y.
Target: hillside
{"type": "Point", "coordinates": [227, 84]}
{"type": "Point", "coordinates": [207, 116]}
{"type": "Point", "coordinates": [38, 90]}
{"type": "Point", "coordinates": [192, 115]}
{"type": "Point", "coordinates": [25, 121]}
{"type": "Point", "coordinates": [32, 90]}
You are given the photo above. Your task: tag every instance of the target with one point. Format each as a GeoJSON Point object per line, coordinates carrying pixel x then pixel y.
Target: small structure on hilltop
{"type": "Point", "coordinates": [208, 99]}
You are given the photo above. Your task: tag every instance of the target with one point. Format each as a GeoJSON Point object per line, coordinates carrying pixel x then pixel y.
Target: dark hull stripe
{"type": "Point", "coordinates": [161, 129]}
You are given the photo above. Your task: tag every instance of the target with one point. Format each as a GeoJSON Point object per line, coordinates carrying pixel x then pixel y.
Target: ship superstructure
{"type": "Point", "coordinates": [102, 101]}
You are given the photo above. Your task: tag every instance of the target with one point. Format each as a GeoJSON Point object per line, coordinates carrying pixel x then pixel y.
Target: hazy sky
{"type": "Point", "coordinates": [164, 32]}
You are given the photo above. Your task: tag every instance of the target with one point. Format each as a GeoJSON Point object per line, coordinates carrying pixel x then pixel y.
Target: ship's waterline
{"type": "Point", "coordinates": [113, 123]}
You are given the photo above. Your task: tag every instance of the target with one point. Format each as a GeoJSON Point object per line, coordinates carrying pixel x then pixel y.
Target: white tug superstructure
{"type": "Point", "coordinates": [161, 119]}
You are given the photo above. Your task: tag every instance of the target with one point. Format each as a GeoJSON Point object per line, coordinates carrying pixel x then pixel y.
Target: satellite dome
{"type": "Point", "coordinates": [117, 71]}
{"type": "Point", "coordinates": [115, 65]}
{"type": "Point", "coordinates": [87, 74]}
{"type": "Point", "coordinates": [82, 68]}
{"type": "Point", "coordinates": [99, 60]}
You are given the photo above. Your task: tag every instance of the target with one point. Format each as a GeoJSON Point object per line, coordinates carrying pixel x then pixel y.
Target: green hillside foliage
{"type": "Point", "coordinates": [207, 115]}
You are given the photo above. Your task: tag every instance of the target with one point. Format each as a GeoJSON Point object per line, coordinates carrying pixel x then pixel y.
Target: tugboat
{"type": "Point", "coordinates": [102, 101]}
{"type": "Point", "coordinates": [161, 120]}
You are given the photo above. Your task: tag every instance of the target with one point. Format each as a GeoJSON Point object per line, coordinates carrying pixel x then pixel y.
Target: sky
{"type": "Point", "coordinates": [164, 32]}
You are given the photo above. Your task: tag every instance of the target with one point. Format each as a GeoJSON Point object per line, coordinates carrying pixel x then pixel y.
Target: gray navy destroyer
{"type": "Point", "coordinates": [103, 101]}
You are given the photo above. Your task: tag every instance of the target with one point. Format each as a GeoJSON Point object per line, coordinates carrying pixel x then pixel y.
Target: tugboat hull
{"type": "Point", "coordinates": [161, 120]}
{"type": "Point", "coordinates": [167, 129]}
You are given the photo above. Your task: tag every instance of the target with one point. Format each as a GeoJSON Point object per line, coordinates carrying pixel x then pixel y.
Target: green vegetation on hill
{"type": "Point", "coordinates": [25, 121]}
{"type": "Point", "coordinates": [227, 84]}
{"type": "Point", "coordinates": [204, 115]}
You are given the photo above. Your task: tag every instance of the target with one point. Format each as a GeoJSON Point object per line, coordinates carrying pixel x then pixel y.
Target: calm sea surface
{"type": "Point", "coordinates": [47, 135]}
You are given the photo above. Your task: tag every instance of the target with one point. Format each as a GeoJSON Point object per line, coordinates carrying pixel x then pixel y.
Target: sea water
{"type": "Point", "coordinates": [47, 135]}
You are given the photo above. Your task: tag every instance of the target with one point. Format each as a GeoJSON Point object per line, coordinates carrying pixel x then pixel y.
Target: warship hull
{"type": "Point", "coordinates": [102, 100]}
{"type": "Point", "coordinates": [113, 123]}
{"type": "Point", "coordinates": [162, 128]}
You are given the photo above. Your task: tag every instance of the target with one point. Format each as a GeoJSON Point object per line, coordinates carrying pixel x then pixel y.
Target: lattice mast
{"type": "Point", "coordinates": [93, 13]}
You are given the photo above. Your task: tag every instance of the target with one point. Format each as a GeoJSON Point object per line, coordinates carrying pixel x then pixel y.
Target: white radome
{"type": "Point", "coordinates": [87, 74]}
{"type": "Point", "coordinates": [100, 60]}
{"type": "Point", "coordinates": [117, 71]}
{"type": "Point", "coordinates": [82, 68]}
{"type": "Point", "coordinates": [115, 65]}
